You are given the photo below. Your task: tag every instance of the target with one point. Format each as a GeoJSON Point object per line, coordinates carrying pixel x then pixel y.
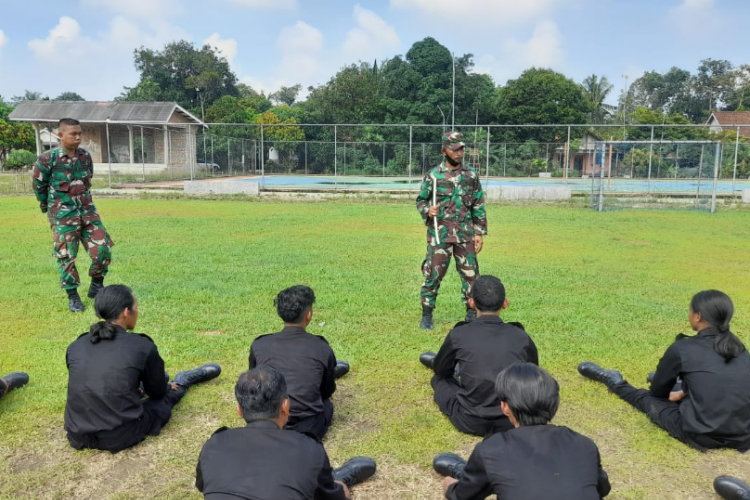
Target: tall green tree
{"type": "Point", "coordinates": [596, 90]}
{"type": "Point", "coordinates": [29, 95]}
{"type": "Point", "coordinates": [286, 95]}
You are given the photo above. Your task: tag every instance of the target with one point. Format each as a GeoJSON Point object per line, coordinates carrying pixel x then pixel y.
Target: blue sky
{"type": "Point", "coordinates": [86, 46]}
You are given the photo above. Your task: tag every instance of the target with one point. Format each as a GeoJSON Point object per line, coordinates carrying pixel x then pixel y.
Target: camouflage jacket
{"type": "Point", "coordinates": [62, 183]}
{"type": "Point", "coordinates": [461, 200]}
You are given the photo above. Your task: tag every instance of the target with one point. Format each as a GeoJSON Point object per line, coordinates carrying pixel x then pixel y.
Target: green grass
{"type": "Point", "coordinates": [611, 288]}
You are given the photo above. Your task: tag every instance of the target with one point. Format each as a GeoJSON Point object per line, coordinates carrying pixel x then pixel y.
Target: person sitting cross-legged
{"type": "Point", "coordinates": [264, 461]}
{"type": "Point", "coordinates": [536, 459]}
{"type": "Point", "coordinates": [471, 357]}
{"type": "Point", "coordinates": [110, 370]}
{"type": "Point", "coordinates": [699, 393]}
{"type": "Point", "coordinates": [13, 381]}
{"type": "Point", "coordinates": [306, 361]}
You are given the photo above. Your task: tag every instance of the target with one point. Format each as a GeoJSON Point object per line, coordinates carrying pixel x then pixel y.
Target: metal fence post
{"type": "Point", "coordinates": [487, 178]}
{"type": "Point", "coordinates": [242, 151]}
{"type": "Point", "coordinates": [700, 172]}
{"type": "Point", "coordinates": [191, 142]}
{"type": "Point", "coordinates": [717, 156]}
{"type": "Point", "coordinates": [505, 156]}
{"type": "Point", "coordinates": [262, 158]}
{"type": "Point", "coordinates": [601, 177]}
{"type": "Point", "coordinates": [567, 158]}
{"type": "Point", "coordinates": [335, 156]}
{"type": "Point", "coordinates": [143, 157]}
{"type": "Point", "coordinates": [229, 158]}
{"type": "Point", "coordinates": [305, 157]}
{"type": "Point", "coordinates": [650, 157]}
{"type": "Point", "coordinates": [109, 155]}
{"type": "Point", "coordinates": [410, 145]}
{"type": "Point", "coordinates": [736, 152]}
{"type": "Point", "coordinates": [383, 158]}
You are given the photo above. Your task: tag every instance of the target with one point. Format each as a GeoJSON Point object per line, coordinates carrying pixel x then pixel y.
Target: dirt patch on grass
{"type": "Point", "coordinates": [212, 333]}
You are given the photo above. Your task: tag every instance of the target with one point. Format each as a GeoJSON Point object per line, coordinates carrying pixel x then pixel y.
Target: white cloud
{"type": "Point", "coordinates": [372, 37]}
{"type": "Point", "coordinates": [496, 12]}
{"type": "Point", "coordinates": [299, 38]}
{"type": "Point", "coordinates": [694, 16]}
{"type": "Point", "coordinates": [266, 4]}
{"type": "Point", "coordinates": [544, 49]}
{"type": "Point", "coordinates": [3, 40]}
{"type": "Point", "coordinates": [62, 41]}
{"type": "Point", "coordinates": [225, 47]}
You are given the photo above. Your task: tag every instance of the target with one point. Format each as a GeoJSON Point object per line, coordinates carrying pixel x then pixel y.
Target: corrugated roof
{"type": "Point", "coordinates": [99, 112]}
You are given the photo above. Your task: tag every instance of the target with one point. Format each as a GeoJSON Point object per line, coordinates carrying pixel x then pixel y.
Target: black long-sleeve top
{"type": "Point", "coordinates": [533, 463]}
{"type": "Point", "coordinates": [483, 348]}
{"type": "Point", "coordinates": [104, 381]}
{"type": "Point", "coordinates": [717, 401]}
{"type": "Point", "coordinates": [307, 363]}
{"type": "Point", "coordinates": [262, 462]}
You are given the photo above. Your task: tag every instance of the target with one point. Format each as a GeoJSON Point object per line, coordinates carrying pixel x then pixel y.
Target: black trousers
{"type": "Point", "coordinates": [156, 413]}
{"type": "Point", "coordinates": [314, 424]}
{"type": "Point", "coordinates": [665, 414]}
{"type": "Point", "coordinates": [445, 397]}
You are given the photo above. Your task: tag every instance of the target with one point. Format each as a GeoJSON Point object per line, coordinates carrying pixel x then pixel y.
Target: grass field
{"type": "Point", "coordinates": [608, 287]}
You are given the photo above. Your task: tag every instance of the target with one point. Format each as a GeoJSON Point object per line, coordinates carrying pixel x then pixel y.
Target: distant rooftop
{"type": "Point", "coordinates": [146, 113]}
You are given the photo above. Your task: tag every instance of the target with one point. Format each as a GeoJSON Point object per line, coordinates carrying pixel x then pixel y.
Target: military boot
{"type": "Point", "coordinates": [203, 373]}
{"type": "Point", "coordinates": [590, 370]}
{"type": "Point", "coordinates": [449, 464]}
{"type": "Point", "coordinates": [14, 381]}
{"type": "Point", "coordinates": [75, 304]}
{"type": "Point", "coordinates": [428, 359]}
{"type": "Point", "coordinates": [96, 285]}
{"type": "Point", "coordinates": [342, 368]}
{"type": "Point", "coordinates": [471, 315]}
{"type": "Point", "coordinates": [731, 488]}
{"type": "Point", "coordinates": [426, 323]}
{"type": "Point", "coordinates": [355, 470]}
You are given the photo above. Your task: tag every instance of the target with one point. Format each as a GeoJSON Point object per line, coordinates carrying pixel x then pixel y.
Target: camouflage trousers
{"type": "Point", "coordinates": [67, 234]}
{"type": "Point", "coordinates": [436, 264]}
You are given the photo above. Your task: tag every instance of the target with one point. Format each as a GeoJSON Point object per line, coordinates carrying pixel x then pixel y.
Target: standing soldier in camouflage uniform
{"type": "Point", "coordinates": [461, 223]}
{"type": "Point", "coordinates": [62, 179]}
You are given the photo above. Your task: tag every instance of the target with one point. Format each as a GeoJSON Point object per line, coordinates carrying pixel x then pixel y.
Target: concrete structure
{"type": "Point", "coordinates": [222, 187]}
{"type": "Point", "coordinates": [582, 159]}
{"type": "Point", "coordinates": [154, 135]}
{"type": "Point", "coordinates": [728, 121]}
{"type": "Point", "coordinates": [746, 196]}
{"type": "Point", "coordinates": [527, 193]}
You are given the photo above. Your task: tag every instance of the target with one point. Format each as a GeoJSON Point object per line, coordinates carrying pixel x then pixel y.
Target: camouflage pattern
{"type": "Point", "coordinates": [61, 184]}
{"type": "Point", "coordinates": [453, 140]}
{"type": "Point", "coordinates": [461, 216]}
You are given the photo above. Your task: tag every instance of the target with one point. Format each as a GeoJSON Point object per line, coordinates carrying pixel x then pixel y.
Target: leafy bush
{"type": "Point", "coordinates": [19, 159]}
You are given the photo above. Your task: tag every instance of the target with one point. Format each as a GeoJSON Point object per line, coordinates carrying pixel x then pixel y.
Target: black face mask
{"type": "Point", "coordinates": [452, 162]}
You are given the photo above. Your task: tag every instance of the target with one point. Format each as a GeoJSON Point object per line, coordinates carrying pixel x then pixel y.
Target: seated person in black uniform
{"type": "Point", "coordinates": [109, 371]}
{"type": "Point", "coordinates": [263, 461]}
{"type": "Point", "coordinates": [306, 361]}
{"type": "Point", "coordinates": [471, 357]}
{"type": "Point", "coordinates": [712, 407]}
{"type": "Point", "coordinates": [731, 488]}
{"type": "Point", "coordinates": [12, 381]}
{"type": "Point", "coordinates": [533, 461]}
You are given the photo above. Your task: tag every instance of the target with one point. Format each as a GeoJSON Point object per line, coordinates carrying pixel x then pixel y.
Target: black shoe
{"type": "Point", "coordinates": [342, 368]}
{"type": "Point", "coordinates": [75, 304]}
{"type": "Point", "coordinates": [593, 371]}
{"type": "Point", "coordinates": [428, 359]}
{"type": "Point", "coordinates": [650, 377]}
{"type": "Point", "coordinates": [426, 323]}
{"type": "Point", "coordinates": [355, 470]}
{"type": "Point", "coordinates": [203, 373]}
{"type": "Point", "coordinates": [731, 488]}
{"type": "Point", "coordinates": [471, 315]}
{"type": "Point", "coordinates": [449, 464]}
{"type": "Point", "coordinates": [16, 380]}
{"type": "Point", "coordinates": [94, 288]}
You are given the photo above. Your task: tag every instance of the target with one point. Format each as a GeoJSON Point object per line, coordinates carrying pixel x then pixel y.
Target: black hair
{"type": "Point", "coordinates": [488, 293]}
{"type": "Point", "coordinates": [67, 122]}
{"type": "Point", "coordinates": [260, 392]}
{"type": "Point", "coordinates": [109, 303]}
{"type": "Point", "coordinates": [293, 303]}
{"type": "Point", "coordinates": [717, 309]}
{"type": "Point", "coordinates": [531, 393]}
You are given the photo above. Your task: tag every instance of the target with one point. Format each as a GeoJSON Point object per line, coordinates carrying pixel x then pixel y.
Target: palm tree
{"type": "Point", "coordinates": [596, 90]}
{"type": "Point", "coordinates": [28, 95]}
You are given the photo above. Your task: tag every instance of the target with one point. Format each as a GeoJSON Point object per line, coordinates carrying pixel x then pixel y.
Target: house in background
{"type": "Point", "coordinates": [727, 121]}
{"type": "Point", "coordinates": [141, 134]}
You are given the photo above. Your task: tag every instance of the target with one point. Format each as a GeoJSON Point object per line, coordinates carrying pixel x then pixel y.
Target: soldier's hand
{"type": "Point", "coordinates": [478, 243]}
{"type": "Point", "coordinates": [434, 210]}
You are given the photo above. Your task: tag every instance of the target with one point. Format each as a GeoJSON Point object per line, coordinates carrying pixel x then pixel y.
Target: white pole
{"type": "Point", "coordinates": [109, 160]}
{"type": "Point", "coordinates": [434, 204]}
{"type": "Point", "coordinates": [453, 106]}
{"type": "Point", "coordinates": [736, 151]}
{"type": "Point", "coordinates": [717, 158]}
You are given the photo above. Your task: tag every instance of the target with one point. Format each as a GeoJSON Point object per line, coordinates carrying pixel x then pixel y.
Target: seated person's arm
{"type": "Point", "coordinates": [251, 360]}
{"type": "Point", "coordinates": [474, 484]}
{"type": "Point", "coordinates": [669, 368]}
{"type": "Point", "coordinates": [328, 489]}
{"type": "Point", "coordinates": [154, 384]}
{"type": "Point", "coordinates": [199, 476]}
{"type": "Point", "coordinates": [603, 487]}
{"type": "Point", "coordinates": [532, 354]}
{"type": "Point", "coordinates": [445, 361]}
{"type": "Point", "coordinates": [328, 383]}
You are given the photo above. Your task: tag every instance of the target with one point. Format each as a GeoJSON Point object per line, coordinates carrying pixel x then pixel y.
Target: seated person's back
{"type": "Point", "coordinates": [306, 361]}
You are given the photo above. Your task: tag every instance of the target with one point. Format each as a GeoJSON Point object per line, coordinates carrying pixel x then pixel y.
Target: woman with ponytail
{"type": "Point", "coordinates": [110, 370]}
{"type": "Point", "coordinates": [700, 392]}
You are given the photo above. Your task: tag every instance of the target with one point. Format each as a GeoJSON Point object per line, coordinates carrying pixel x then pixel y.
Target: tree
{"type": "Point", "coordinates": [183, 74]}
{"type": "Point", "coordinates": [286, 95]}
{"type": "Point", "coordinates": [596, 90]}
{"type": "Point", "coordinates": [14, 135]}
{"type": "Point", "coordinates": [19, 159]}
{"type": "Point", "coordinates": [29, 95]}
{"type": "Point", "coordinates": [69, 96]}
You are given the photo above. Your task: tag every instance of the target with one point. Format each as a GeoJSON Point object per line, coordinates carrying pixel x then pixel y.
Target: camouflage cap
{"type": "Point", "coordinates": [453, 140]}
